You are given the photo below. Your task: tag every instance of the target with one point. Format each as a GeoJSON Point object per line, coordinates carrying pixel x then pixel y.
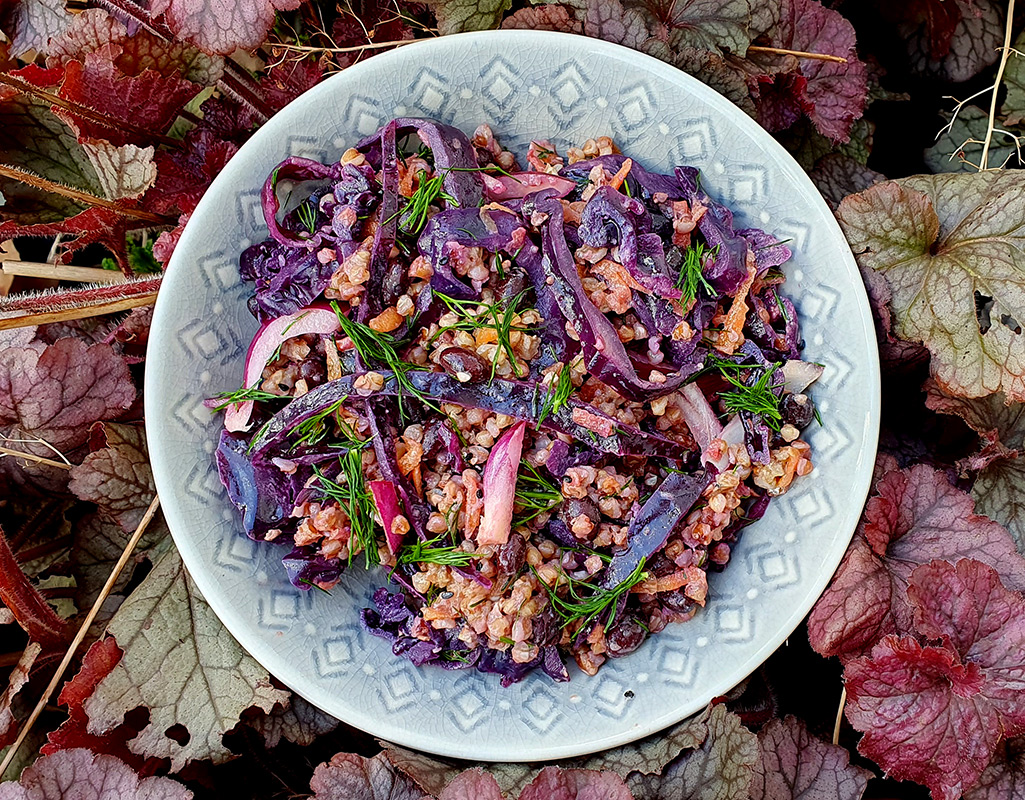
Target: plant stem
{"type": "Point", "coordinates": [1004, 55]}
{"type": "Point", "coordinates": [779, 51]}
{"type": "Point", "coordinates": [80, 636]}
{"type": "Point", "coordinates": [31, 611]}
{"type": "Point", "coordinates": [298, 48]}
{"type": "Point", "coordinates": [80, 196]}
{"type": "Point", "coordinates": [6, 451]}
{"type": "Point", "coordinates": [60, 272]}
{"type": "Point", "coordinates": [38, 308]}
{"type": "Point", "coordinates": [839, 716]}
{"type": "Point", "coordinates": [87, 113]}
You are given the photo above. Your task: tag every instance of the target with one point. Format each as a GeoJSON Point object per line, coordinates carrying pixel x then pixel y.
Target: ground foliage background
{"type": "Point", "coordinates": [921, 635]}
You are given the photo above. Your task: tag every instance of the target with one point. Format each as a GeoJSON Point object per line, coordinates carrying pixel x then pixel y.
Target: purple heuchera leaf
{"type": "Point", "coordinates": [915, 517]}
{"type": "Point", "coordinates": [553, 783]}
{"type": "Point", "coordinates": [99, 777]}
{"type": "Point", "coordinates": [936, 713]}
{"type": "Point", "coordinates": [1005, 775]}
{"type": "Point", "coordinates": [116, 476]}
{"type": "Point", "coordinates": [473, 784]}
{"type": "Point", "coordinates": [348, 776]}
{"type": "Point", "coordinates": [797, 766]}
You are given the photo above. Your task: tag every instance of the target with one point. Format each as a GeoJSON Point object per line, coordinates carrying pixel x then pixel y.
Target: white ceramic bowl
{"type": "Point", "coordinates": [526, 85]}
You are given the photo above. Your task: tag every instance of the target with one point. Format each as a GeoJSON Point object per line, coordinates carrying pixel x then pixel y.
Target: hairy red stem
{"type": "Point", "coordinates": [31, 611]}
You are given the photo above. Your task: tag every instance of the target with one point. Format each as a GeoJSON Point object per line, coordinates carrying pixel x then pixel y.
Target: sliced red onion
{"type": "Point", "coordinates": [265, 344]}
{"type": "Point", "coordinates": [799, 375]}
{"type": "Point", "coordinates": [500, 486]}
{"type": "Point", "coordinates": [520, 184]}
{"type": "Point", "coordinates": [387, 501]}
{"type": "Point", "coordinates": [731, 434]}
{"type": "Point", "coordinates": [699, 416]}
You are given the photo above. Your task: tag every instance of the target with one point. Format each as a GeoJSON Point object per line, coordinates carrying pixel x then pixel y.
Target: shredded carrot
{"type": "Point", "coordinates": [619, 177]}
{"type": "Point", "coordinates": [614, 273]}
{"type": "Point", "coordinates": [732, 335]}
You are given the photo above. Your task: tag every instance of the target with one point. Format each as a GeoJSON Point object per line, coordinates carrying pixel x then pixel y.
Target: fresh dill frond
{"type": "Point", "coordinates": [585, 602]}
{"type": "Point", "coordinates": [455, 655]}
{"type": "Point", "coordinates": [507, 640]}
{"type": "Point", "coordinates": [413, 217]}
{"type": "Point", "coordinates": [243, 394]}
{"type": "Point", "coordinates": [499, 317]}
{"type": "Point", "coordinates": [355, 500]}
{"type": "Point", "coordinates": [381, 350]}
{"type": "Point", "coordinates": [557, 396]}
{"type": "Point", "coordinates": [307, 216]}
{"type": "Point", "coordinates": [691, 275]}
{"type": "Point", "coordinates": [312, 585]}
{"type": "Point", "coordinates": [535, 495]}
{"type": "Point", "coordinates": [758, 398]}
{"type": "Point", "coordinates": [434, 551]}
{"type": "Point", "coordinates": [312, 431]}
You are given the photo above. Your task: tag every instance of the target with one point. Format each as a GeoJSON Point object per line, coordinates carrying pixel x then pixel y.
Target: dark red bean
{"type": "Point", "coordinates": [459, 362]}
{"type": "Point", "coordinates": [512, 555]}
{"type": "Point", "coordinates": [624, 637]}
{"type": "Point", "coordinates": [573, 507]}
{"type": "Point", "coordinates": [312, 370]}
{"type": "Point", "coordinates": [798, 410]}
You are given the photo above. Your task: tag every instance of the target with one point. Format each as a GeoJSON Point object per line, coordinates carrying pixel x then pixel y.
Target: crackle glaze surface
{"type": "Point", "coordinates": [526, 85]}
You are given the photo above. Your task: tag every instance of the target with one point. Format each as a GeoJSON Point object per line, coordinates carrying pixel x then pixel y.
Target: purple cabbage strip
{"type": "Point", "coordinates": [304, 566]}
{"type": "Point", "coordinates": [285, 279]}
{"type": "Point", "coordinates": [379, 293]}
{"type": "Point", "coordinates": [656, 520]}
{"type": "Point", "coordinates": [263, 494]}
{"type": "Point", "coordinates": [768, 250]}
{"type": "Point", "coordinates": [296, 169]}
{"type": "Point", "coordinates": [520, 399]}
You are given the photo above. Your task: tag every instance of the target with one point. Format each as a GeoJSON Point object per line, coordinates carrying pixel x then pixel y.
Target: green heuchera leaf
{"type": "Point", "coordinates": [944, 243]}
{"type": "Point", "coordinates": [1013, 108]}
{"type": "Point", "coordinates": [456, 16]}
{"type": "Point", "coordinates": [181, 664]}
{"type": "Point", "coordinates": [959, 148]}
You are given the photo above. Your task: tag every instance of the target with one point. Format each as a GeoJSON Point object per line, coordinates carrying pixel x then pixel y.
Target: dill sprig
{"type": "Point", "coordinates": [307, 216]}
{"type": "Point", "coordinates": [352, 495]}
{"type": "Point", "coordinates": [381, 349]}
{"type": "Point", "coordinates": [455, 655]}
{"type": "Point", "coordinates": [691, 275]}
{"type": "Point", "coordinates": [535, 495]}
{"type": "Point", "coordinates": [434, 551]}
{"type": "Point", "coordinates": [413, 217]}
{"type": "Point", "coordinates": [243, 394]}
{"type": "Point", "coordinates": [498, 317]}
{"type": "Point", "coordinates": [557, 395]}
{"type": "Point", "coordinates": [312, 431]}
{"type": "Point", "coordinates": [758, 398]}
{"type": "Point", "coordinates": [580, 606]}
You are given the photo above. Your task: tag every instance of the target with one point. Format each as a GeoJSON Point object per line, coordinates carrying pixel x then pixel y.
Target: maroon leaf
{"type": "Point", "coordinates": [81, 773]}
{"type": "Point", "coordinates": [797, 766]}
{"type": "Point", "coordinates": [348, 776]}
{"type": "Point", "coordinates": [301, 723]}
{"type": "Point", "coordinates": [935, 714]}
{"type": "Point", "coordinates": [221, 27]}
{"type": "Point", "coordinates": [915, 517]}
{"type": "Point", "coordinates": [473, 784]}
{"type": "Point", "coordinates": [15, 683]}
{"type": "Point", "coordinates": [186, 173]}
{"type": "Point", "coordinates": [553, 783]}
{"type": "Point", "coordinates": [835, 93]}
{"type": "Point", "coordinates": [609, 20]}
{"type": "Point", "coordinates": [837, 175]}
{"type": "Point", "coordinates": [164, 246]}
{"type": "Point", "coordinates": [92, 226]}
{"type": "Point", "coordinates": [548, 17]}
{"type": "Point", "coordinates": [116, 476]}
{"type": "Point", "coordinates": [1005, 775]}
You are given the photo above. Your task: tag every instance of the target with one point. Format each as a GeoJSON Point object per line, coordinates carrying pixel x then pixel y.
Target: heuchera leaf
{"type": "Point", "coordinates": [15, 683]}
{"type": "Point", "coordinates": [935, 713]}
{"type": "Point", "coordinates": [938, 240]}
{"type": "Point", "coordinates": [124, 172]}
{"type": "Point", "coordinates": [1005, 775]}
{"type": "Point", "coordinates": [548, 17]}
{"type": "Point", "coordinates": [721, 769]}
{"type": "Point", "coordinates": [836, 93]}
{"type": "Point", "coordinates": [81, 773]}
{"type": "Point", "coordinates": [300, 722]}
{"type": "Point", "coordinates": [473, 784]}
{"type": "Point", "coordinates": [553, 783]}
{"type": "Point", "coordinates": [837, 175]}
{"type": "Point", "coordinates": [999, 489]}
{"type": "Point", "coordinates": [455, 16]}
{"type": "Point", "coordinates": [916, 516]}
{"type": "Point", "coordinates": [1013, 107]}
{"type": "Point", "coordinates": [797, 766]}
{"type": "Point", "coordinates": [95, 31]}
{"type": "Point", "coordinates": [950, 39]}
{"type": "Point", "coordinates": [610, 21]}
{"type": "Point", "coordinates": [959, 146]}
{"type": "Point", "coordinates": [97, 663]}
{"type": "Point", "coordinates": [31, 24]}
{"type": "Point", "coordinates": [707, 24]}
{"type": "Point", "coordinates": [221, 27]}
{"type": "Point", "coordinates": [117, 476]}
{"type": "Point", "coordinates": [348, 776]}
{"type": "Point", "coordinates": [92, 226]}
{"type": "Point", "coordinates": [181, 664]}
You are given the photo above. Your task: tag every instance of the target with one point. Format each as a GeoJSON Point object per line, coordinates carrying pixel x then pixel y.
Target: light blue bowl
{"type": "Point", "coordinates": [526, 85]}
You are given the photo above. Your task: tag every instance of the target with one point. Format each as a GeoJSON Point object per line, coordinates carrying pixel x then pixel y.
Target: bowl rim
{"type": "Point", "coordinates": [270, 655]}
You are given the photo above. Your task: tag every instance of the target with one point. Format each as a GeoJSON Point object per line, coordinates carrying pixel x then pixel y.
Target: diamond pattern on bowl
{"type": "Point", "coordinates": [527, 85]}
